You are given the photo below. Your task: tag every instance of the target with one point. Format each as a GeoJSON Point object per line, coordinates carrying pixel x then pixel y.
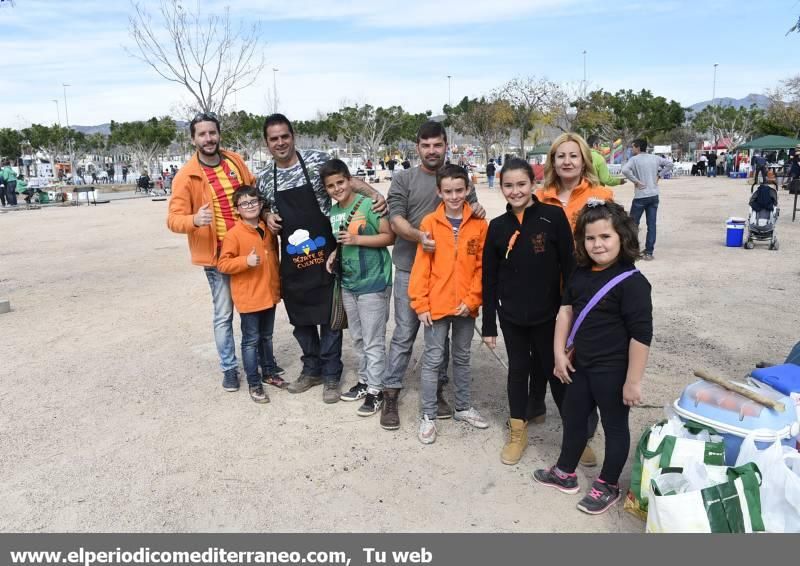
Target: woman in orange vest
{"type": "Point", "coordinates": [570, 180]}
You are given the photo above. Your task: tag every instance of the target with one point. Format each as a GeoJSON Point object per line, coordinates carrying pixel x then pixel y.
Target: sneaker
{"type": "Point", "coordinates": [358, 391]}
{"type": "Point", "coordinates": [372, 404]}
{"type": "Point", "coordinates": [471, 416]}
{"type": "Point", "coordinates": [390, 417]}
{"type": "Point", "coordinates": [648, 257]}
{"type": "Point", "coordinates": [230, 380]}
{"type": "Point", "coordinates": [553, 477]}
{"type": "Point", "coordinates": [330, 392]}
{"type": "Point", "coordinates": [304, 383]}
{"type": "Point", "coordinates": [427, 430]}
{"type": "Point", "coordinates": [600, 498]}
{"type": "Point", "coordinates": [258, 394]}
{"type": "Point", "coordinates": [443, 409]}
{"type": "Point", "coordinates": [278, 370]}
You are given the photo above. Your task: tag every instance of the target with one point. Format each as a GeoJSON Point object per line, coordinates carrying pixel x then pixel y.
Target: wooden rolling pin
{"type": "Point", "coordinates": [752, 395]}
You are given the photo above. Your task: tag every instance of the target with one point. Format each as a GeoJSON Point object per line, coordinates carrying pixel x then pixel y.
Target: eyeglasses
{"type": "Point", "coordinates": [249, 203]}
{"type": "Point", "coordinates": [203, 116]}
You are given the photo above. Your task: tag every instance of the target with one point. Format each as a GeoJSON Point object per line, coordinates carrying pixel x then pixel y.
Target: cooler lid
{"type": "Point", "coordinates": [730, 412]}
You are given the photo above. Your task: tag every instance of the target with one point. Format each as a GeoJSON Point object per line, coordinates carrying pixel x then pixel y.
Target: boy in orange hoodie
{"type": "Point", "coordinates": [249, 256]}
{"type": "Point", "coordinates": [445, 292]}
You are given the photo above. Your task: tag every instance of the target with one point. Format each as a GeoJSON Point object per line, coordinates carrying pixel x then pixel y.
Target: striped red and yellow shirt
{"type": "Point", "coordinates": [224, 180]}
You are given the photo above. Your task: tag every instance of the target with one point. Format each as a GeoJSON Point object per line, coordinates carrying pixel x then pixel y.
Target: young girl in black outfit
{"type": "Point", "coordinates": [527, 253]}
{"type": "Point", "coordinates": [611, 345]}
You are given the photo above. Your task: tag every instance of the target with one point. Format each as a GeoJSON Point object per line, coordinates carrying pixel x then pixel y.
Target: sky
{"type": "Point", "coordinates": [332, 52]}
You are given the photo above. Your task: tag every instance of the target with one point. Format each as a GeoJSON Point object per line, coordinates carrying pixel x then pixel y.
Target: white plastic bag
{"type": "Point", "coordinates": [780, 484]}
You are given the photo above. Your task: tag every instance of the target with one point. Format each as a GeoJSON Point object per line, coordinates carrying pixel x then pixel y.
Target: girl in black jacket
{"type": "Point", "coordinates": [527, 256]}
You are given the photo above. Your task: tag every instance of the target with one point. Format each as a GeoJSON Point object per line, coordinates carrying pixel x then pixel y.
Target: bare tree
{"type": "Point", "coordinates": [487, 121]}
{"type": "Point", "coordinates": [532, 99]}
{"type": "Point", "coordinates": [366, 126]}
{"type": "Point", "coordinates": [205, 55]}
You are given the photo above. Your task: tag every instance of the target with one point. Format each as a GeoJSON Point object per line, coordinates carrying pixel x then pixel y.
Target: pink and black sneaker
{"type": "Point", "coordinates": [600, 497]}
{"type": "Point", "coordinates": [553, 477]}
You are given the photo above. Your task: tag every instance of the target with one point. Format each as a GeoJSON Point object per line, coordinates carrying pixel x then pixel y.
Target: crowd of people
{"type": "Point", "coordinates": [307, 232]}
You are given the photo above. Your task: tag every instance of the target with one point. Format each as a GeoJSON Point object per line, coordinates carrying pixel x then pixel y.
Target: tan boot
{"type": "Point", "coordinates": [517, 441]}
{"type": "Point", "coordinates": [588, 458]}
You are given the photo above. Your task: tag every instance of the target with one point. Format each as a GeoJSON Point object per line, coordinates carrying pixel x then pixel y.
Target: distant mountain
{"type": "Point", "coordinates": [105, 129]}
{"type": "Point", "coordinates": [759, 100]}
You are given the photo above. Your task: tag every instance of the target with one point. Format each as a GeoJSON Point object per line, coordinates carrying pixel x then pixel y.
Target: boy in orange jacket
{"type": "Point", "coordinates": [445, 292]}
{"type": "Point", "coordinates": [249, 256]}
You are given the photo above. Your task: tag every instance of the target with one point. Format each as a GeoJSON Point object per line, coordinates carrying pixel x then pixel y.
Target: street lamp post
{"type": "Point", "coordinates": [584, 73]}
{"type": "Point", "coordinates": [58, 111]}
{"type": "Point", "coordinates": [450, 104]}
{"type": "Point", "coordinates": [714, 108]}
{"type": "Point", "coordinates": [274, 91]}
{"type": "Point", "coordinates": [69, 139]}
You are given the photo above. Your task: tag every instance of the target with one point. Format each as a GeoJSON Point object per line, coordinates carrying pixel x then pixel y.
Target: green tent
{"type": "Point", "coordinates": [542, 149]}
{"type": "Point", "coordinates": [770, 142]}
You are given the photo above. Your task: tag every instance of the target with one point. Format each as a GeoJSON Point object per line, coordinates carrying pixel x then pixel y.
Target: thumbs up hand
{"type": "Point", "coordinates": [203, 216]}
{"type": "Point", "coordinates": [253, 259]}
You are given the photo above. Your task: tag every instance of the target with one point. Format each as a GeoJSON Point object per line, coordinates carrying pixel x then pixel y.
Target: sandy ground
{"type": "Point", "coordinates": [113, 418]}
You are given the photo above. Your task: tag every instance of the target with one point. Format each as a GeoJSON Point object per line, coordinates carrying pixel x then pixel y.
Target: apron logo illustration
{"type": "Point", "coordinates": [472, 246]}
{"type": "Point", "coordinates": [301, 243]}
{"type": "Point", "coordinates": [306, 251]}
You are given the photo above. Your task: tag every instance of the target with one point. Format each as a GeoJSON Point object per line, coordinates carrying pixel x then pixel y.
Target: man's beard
{"type": "Point", "coordinates": [204, 151]}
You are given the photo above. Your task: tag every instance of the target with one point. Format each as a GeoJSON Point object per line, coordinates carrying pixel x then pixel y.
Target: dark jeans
{"type": "Point", "coordinates": [649, 206]}
{"type": "Point", "coordinates": [256, 337]}
{"type": "Point", "coordinates": [11, 193]}
{"type": "Point", "coordinates": [763, 171]}
{"type": "Point", "coordinates": [530, 367]}
{"type": "Point", "coordinates": [601, 388]}
{"type": "Point", "coordinates": [322, 351]}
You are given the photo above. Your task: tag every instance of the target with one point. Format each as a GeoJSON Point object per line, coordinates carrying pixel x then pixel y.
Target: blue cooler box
{"type": "Point", "coordinates": [735, 416]}
{"type": "Point", "coordinates": [784, 378]}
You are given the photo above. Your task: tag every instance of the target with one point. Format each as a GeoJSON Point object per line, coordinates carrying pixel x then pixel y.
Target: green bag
{"type": "Point", "coordinates": [658, 449]}
{"type": "Point", "coordinates": [731, 506]}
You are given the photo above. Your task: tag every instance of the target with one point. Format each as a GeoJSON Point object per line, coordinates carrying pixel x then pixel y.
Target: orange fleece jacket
{"type": "Point", "coordinates": [577, 200]}
{"type": "Point", "coordinates": [253, 288]}
{"type": "Point", "coordinates": [190, 191]}
{"type": "Point", "coordinates": [442, 280]}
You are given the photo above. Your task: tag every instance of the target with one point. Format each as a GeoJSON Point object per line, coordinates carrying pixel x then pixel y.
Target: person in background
{"type": "Point", "coordinates": [490, 171]}
{"type": "Point", "coordinates": [644, 170]}
{"type": "Point", "coordinates": [600, 166]}
{"type": "Point", "coordinates": [10, 181]}
{"type": "Point", "coordinates": [712, 164]}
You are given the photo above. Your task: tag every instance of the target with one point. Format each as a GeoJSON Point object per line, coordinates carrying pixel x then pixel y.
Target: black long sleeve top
{"type": "Point", "coordinates": [523, 285]}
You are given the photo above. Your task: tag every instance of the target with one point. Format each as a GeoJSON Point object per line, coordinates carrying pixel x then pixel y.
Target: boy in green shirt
{"type": "Point", "coordinates": [366, 273]}
{"type": "Point", "coordinates": [600, 165]}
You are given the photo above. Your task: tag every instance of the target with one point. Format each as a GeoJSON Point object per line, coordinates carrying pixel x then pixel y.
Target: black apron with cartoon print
{"type": "Point", "coordinates": [306, 243]}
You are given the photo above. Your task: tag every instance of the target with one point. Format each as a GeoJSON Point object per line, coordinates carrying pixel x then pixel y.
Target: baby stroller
{"type": "Point", "coordinates": [764, 213]}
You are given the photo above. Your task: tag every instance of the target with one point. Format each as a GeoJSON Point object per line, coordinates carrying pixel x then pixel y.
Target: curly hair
{"type": "Point", "coordinates": [622, 223]}
{"type": "Point", "coordinates": [551, 178]}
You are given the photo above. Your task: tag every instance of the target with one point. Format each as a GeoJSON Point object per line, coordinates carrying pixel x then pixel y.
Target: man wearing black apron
{"type": "Point", "coordinates": [298, 210]}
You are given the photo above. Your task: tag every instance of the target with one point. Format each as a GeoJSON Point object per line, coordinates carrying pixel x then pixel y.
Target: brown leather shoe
{"type": "Point", "coordinates": [390, 417]}
{"type": "Point", "coordinates": [443, 408]}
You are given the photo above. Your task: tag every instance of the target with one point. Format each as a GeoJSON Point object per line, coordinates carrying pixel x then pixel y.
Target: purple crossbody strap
{"type": "Point", "coordinates": [593, 302]}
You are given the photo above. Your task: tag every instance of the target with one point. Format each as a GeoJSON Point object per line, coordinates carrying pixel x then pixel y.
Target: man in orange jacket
{"type": "Point", "coordinates": [202, 208]}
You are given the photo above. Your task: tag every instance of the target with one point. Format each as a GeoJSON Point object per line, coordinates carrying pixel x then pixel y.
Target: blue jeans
{"type": "Point", "coordinates": [322, 351]}
{"type": "Point", "coordinates": [223, 317]}
{"type": "Point", "coordinates": [712, 170]}
{"type": "Point", "coordinates": [648, 205]}
{"type": "Point", "coordinates": [433, 356]}
{"type": "Point", "coordinates": [490, 180]}
{"type": "Point", "coordinates": [256, 338]}
{"type": "Point", "coordinates": [406, 326]}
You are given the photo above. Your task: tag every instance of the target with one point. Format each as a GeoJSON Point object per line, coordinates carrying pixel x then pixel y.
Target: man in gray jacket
{"type": "Point", "coordinates": [644, 171]}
